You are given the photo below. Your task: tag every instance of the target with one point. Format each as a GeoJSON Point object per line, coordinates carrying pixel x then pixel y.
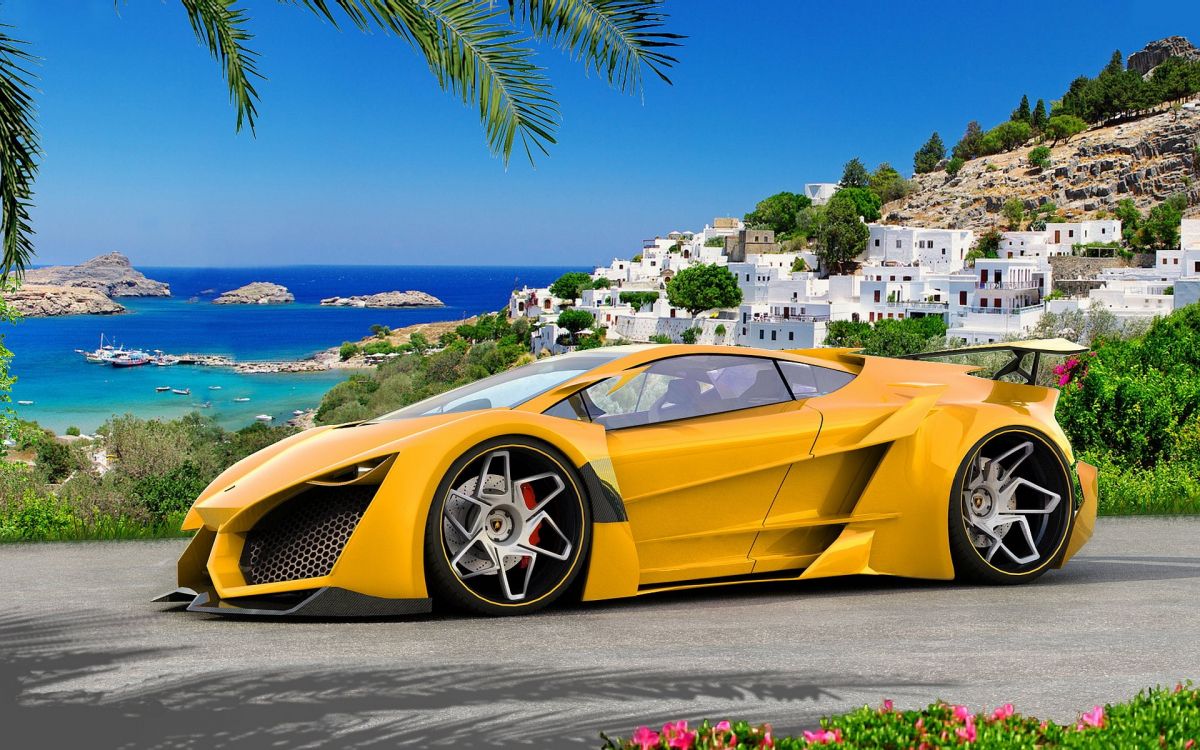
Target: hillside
{"type": "Point", "coordinates": [1147, 160]}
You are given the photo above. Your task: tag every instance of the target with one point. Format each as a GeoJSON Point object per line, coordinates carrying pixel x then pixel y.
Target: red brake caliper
{"type": "Point", "coordinates": [530, 498]}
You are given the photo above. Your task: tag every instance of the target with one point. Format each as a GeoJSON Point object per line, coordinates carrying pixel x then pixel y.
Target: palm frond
{"type": "Point", "coordinates": [221, 26]}
{"type": "Point", "coordinates": [18, 156]}
{"type": "Point", "coordinates": [614, 37]}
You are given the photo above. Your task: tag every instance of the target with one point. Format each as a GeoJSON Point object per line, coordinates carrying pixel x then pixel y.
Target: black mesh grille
{"type": "Point", "coordinates": [303, 537]}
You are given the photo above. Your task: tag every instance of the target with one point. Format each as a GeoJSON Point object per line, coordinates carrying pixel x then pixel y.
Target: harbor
{"type": "Point", "coordinates": [118, 356]}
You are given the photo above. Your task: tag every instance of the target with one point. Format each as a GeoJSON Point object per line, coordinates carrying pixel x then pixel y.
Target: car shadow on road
{"type": "Point", "coordinates": [463, 706]}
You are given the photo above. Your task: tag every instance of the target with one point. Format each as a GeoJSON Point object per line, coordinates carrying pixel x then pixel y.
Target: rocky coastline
{"type": "Point", "coordinates": [46, 301]}
{"type": "Point", "coordinates": [111, 275]}
{"type": "Point", "coordinates": [410, 298]}
{"type": "Point", "coordinates": [256, 293]}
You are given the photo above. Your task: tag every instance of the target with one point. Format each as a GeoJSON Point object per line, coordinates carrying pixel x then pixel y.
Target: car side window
{"type": "Point", "coordinates": [685, 387]}
{"type": "Point", "coordinates": [570, 407]}
{"type": "Point", "coordinates": [810, 381]}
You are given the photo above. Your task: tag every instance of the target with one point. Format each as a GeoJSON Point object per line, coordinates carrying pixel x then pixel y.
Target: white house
{"type": "Point", "coordinates": [820, 192]}
{"type": "Point", "coordinates": [1006, 300]}
{"type": "Point", "coordinates": [939, 249]}
{"type": "Point", "coordinates": [1083, 232]}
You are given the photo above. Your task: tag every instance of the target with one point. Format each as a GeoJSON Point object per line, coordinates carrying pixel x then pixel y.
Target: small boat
{"type": "Point", "coordinates": [130, 359]}
{"type": "Point", "coordinates": [241, 399]}
{"type": "Point", "coordinates": [25, 403]}
{"type": "Point", "coordinates": [206, 405]}
{"type": "Point", "coordinates": [184, 392]}
{"type": "Point", "coordinates": [298, 413]}
{"type": "Point", "coordinates": [264, 417]}
{"type": "Point", "coordinates": [162, 389]}
{"type": "Point", "coordinates": [214, 388]}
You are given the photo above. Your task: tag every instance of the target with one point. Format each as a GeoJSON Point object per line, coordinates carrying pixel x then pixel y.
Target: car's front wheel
{"type": "Point", "coordinates": [1011, 509]}
{"type": "Point", "coordinates": [508, 530]}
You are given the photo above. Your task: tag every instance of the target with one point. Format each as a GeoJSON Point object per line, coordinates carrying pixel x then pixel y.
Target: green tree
{"type": "Point", "coordinates": [1039, 118]}
{"type": "Point", "coordinates": [380, 331]}
{"type": "Point", "coordinates": [477, 51]}
{"type": "Point", "coordinates": [888, 184]}
{"type": "Point", "coordinates": [847, 333]}
{"type": "Point", "coordinates": [704, 287]}
{"type": "Point", "coordinates": [575, 320]}
{"type": "Point", "coordinates": [419, 342]}
{"type": "Point", "coordinates": [971, 144]}
{"type": "Point", "coordinates": [1011, 134]}
{"type": "Point", "coordinates": [1064, 127]}
{"type": "Point", "coordinates": [929, 155]}
{"type": "Point", "coordinates": [1022, 113]}
{"type": "Point", "coordinates": [799, 265]}
{"type": "Point", "coordinates": [638, 300]}
{"type": "Point", "coordinates": [955, 164]}
{"type": "Point", "coordinates": [1014, 212]}
{"type": "Point", "coordinates": [866, 202]}
{"type": "Point", "coordinates": [571, 284]}
{"type": "Point", "coordinates": [1040, 157]}
{"type": "Point", "coordinates": [1131, 220]}
{"type": "Point", "coordinates": [601, 283]}
{"type": "Point", "coordinates": [854, 174]}
{"type": "Point", "coordinates": [777, 213]}
{"type": "Point", "coordinates": [808, 222]}
{"type": "Point", "coordinates": [1161, 228]}
{"type": "Point", "coordinates": [987, 246]}
{"type": "Point", "coordinates": [843, 234]}
{"type": "Point", "coordinates": [348, 350]}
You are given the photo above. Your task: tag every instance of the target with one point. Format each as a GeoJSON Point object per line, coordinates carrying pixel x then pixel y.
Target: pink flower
{"type": "Point", "coordinates": [768, 740]}
{"type": "Point", "coordinates": [888, 705]}
{"type": "Point", "coordinates": [1189, 745]}
{"type": "Point", "coordinates": [962, 713]}
{"type": "Point", "coordinates": [645, 738]}
{"type": "Point", "coordinates": [723, 726]}
{"type": "Point", "coordinates": [1002, 713]}
{"type": "Point", "coordinates": [822, 737]}
{"type": "Point", "coordinates": [1093, 718]}
{"type": "Point", "coordinates": [966, 734]}
{"type": "Point", "coordinates": [921, 724]}
{"type": "Point", "coordinates": [683, 740]}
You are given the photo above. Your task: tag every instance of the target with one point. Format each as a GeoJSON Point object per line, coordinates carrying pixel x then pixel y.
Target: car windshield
{"type": "Point", "coordinates": [508, 389]}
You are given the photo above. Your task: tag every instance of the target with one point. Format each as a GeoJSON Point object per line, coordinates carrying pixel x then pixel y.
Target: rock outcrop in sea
{"type": "Point", "coordinates": [111, 275]}
{"type": "Point", "coordinates": [256, 293]}
{"type": "Point", "coordinates": [45, 300]}
{"type": "Point", "coordinates": [385, 299]}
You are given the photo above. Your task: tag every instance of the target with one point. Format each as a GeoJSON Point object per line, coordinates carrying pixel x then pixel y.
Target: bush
{"type": "Point", "coordinates": [1040, 157]}
{"type": "Point", "coordinates": [719, 331]}
{"type": "Point", "coordinates": [36, 518]}
{"type": "Point", "coordinates": [638, 300]}
{"type": "Point", "coordinates": [954, 165]}
{"type": "Point", "coordinates": [73, 430]}
{"type": "Point", "coordinates": [1155, 718]}
{"type": "Point", "coordinates": [170, 494]}
{"type": "Point", "coordinates": [661, 338]}
{"type": "Point", "coordinates": [689, 335]}
{"type": "Point", "coordinates": [575, 320]}
{"type": "Point", "coordinates": [348, 350]}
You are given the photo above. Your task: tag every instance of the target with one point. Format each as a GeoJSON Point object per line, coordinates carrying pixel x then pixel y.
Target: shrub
{"type": "Point", "coordinates": [689, 335]}
{"type": "Point", "coordinates": [954, 165]}
{"type": "Point", "coordinates": [172, 493]}
{"type": "Point", "coordinates": [799, 265]}
{"type": "Point", "coordinates": [638, 300]}
{"type": "Point", "coordinates": [661, 338]}
{"type": "Point", "coordinates": [348, 350]}
{"type": "Point", "coordinates": [719, 331]}
{"type": "Point", "coordinates": [569, 285]}
{"type": "Point", "coordinates": [1040, 157]}
{"type": "Point", "coordinates": [73, 430]}
{"type": "Point", "coordinates": [36, 517]}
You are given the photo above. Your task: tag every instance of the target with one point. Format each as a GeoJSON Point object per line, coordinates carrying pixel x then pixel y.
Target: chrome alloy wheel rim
{"type": "Point", "coordinates": [1007, 514]}
{"type": "Point", "coordinates": [501, 529]}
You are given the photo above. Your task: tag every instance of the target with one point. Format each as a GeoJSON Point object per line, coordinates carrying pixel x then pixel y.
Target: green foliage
{"type": "Point", "coordinates": [809, 222]}
{"type": "Point", "coordinates": [636, 259]}
{"type": "Point", "coordinates": [570, 284]}
{"type": "Point", "coordinates": [843, 237]}
{"type": "Point", "coordinates": [888, 337]}
{"type": "Point", "coordinates": [718, 241]}
{"type": "Point", "coordinates": [1022, 113]}
{"type": "Point", "coordinates": [971, 143]}
{"type": "Point", "coordinates": [777, 212]}
{"type": "Point", "coordinates": [661, 338]}
{"type": "Point", "coordinates": [73, 431]}
{"type": "Point", "coordinates": [1008, 136]}
{"type": "Point", "coordinates": [719, 331]}
{"type": "Point", "coordinates": [1014, 212]}
{"type": "Point", "coordinates": [1041, 215]}
{"type": "Point", "coordinates": [799, 265]}
{"type": "Point", "coordinates": [575, 320]}
{"type": "Point", "coordinates": [638, 300]}
{"type": "Point", "coordinates": [888, 184]}
{"type": "Point", "coordinates": [929, 155]}
{"type": "Point", "coordinates": [1158, 230]}
{"type": "Point", "coordinates": [854, 174]}
{"type": "Point", "coordinates": [1158, 717]}
{"type": "Point", "coordinates": [987, 246]}
{"type": "Point", "coordinates": [172, 493]}
{"type": "Point", "coordinates": [35, 517]}
{"type": "Point", "coordinates": [1117, 92]}
{"type": "Point", "coordinates": [689, 335]}
{"type": "Point", "coordinates": [704, 287]}
{"type": "Point", "coordinates": [866, 202]}
{"type": "Point", "coordinates": [1064, 127]}
{"type": "Point", "coordinates": [7, 316]}
{"type": "Point", "coordinates": [348, 350]}
{"type": "Point", "coordinates": [601, 283]}
{"type": "Point", "coordinates": [1039, 157]}
{"type": "Point", "coordinates": [954, 165]}
{"type": "Point", "coordinates": [1039, 118]}
{"type": "Point", "coordinates": [380, 331]}
{"type": "Point", "coordinates": [419, 342]}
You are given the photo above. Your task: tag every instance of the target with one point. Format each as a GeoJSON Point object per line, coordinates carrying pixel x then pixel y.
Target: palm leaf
{"type": "Point", "coordinates": [221, 26]}
{"type": "Point", "coordinates": [614, 37]}
{"type": "Point", "coordinates": [18, 156]}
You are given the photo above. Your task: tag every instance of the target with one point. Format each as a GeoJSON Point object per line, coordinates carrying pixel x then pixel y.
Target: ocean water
{"type": "Point", "coordinates": [66, 390]}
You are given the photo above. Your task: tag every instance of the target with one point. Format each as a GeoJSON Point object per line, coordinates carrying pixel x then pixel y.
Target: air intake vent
{"type": "Point", "coordinates": [303, 537]}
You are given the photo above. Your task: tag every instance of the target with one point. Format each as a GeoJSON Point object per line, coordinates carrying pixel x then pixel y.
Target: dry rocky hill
{"type": "Point", "coordinates": [1146, 160]}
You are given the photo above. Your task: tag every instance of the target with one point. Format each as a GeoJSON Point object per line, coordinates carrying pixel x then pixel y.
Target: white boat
{"type": "Point", "coordinates": [241, 399]}
{"type": "Point", "coordinates": [214, 388]}
{"type": "Point", "coordinates": [298, 413]}
{"type": "Point", "coordinates": [25, 403]}
{"type": "Point", "coordinates": [182, 391]}
{"type": "Point", "coordinates": [264, 417]}
{"type": "Point", "coordinates": [162, 389]}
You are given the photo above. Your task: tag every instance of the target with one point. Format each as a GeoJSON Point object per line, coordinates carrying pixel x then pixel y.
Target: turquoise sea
{"type": "Point", "coordinates": [66, 391]}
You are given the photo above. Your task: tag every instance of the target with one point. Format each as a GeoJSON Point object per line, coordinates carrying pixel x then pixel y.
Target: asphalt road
{"type": "Point", "coordinates": [84, 658]}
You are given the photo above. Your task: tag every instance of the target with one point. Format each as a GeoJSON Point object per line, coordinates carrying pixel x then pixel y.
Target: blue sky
{"type": "Point", "coordinates": [359, 158]}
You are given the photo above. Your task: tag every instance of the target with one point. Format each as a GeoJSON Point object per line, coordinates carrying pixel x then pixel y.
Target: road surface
{"type": "Point", "coordinates": [85, 659]}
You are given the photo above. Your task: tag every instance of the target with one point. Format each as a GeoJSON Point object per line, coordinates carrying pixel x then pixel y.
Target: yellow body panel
{"type": "Point", "coordinates": [856, 481]}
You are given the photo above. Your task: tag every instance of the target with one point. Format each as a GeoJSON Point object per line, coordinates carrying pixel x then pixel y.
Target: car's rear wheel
{"type": "Point", "coordinates": [508, 529]}
{"type": "Point", "coordinates": [1011, 509]}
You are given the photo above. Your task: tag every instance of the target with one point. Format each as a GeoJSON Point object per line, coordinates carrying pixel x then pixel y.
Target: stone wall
{"type": "Point", "coordinates": [1073, 275]}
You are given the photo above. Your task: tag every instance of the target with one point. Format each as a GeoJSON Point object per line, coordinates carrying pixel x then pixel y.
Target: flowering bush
{"type": "Point", "coordinates": [1072, 370]}
{"type": "Point", "coordinates": [1158, 718]}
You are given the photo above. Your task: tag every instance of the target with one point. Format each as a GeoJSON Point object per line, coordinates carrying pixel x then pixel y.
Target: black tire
{"type": "Point", "coordinates": [1047, 467]}
{"type": "Point", "coordinates": [550, 578]}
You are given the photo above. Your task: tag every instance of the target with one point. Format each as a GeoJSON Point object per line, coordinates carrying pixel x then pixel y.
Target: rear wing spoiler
{"type": "Point", "coordinates": [1019, 351]}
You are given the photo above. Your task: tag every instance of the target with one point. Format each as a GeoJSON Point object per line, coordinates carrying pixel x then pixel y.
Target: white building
{"type": "Point", "coordinates": [820, 192]}
{"type": "Point", "coordinates": [1006, 299]}
{"type": "Point", "coordinates": [939, 249]}
{"type": "Point", "coordinates": [1083, 232]}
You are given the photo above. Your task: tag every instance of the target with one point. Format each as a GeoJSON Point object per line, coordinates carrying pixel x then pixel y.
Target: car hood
{"type": "Point", "coordinates": [303, 457]}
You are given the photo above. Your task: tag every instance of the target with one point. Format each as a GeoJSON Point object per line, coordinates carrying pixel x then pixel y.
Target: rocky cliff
{"type": "Point", "coordinates": [1146, 160]}
{"type": "Point", "coordinates": [386, 299]}
{"type": "Point", "coordinates": [1154, 53]}
{"type": "Point", "coordinates": [111, 274]}
{"type": "Point", "coordinates": [44, 300]}
{"type": "Point", "coordinates": [256, 293]}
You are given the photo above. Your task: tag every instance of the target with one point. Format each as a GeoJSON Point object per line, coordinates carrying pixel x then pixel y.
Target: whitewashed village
{"type": "Point", "coordinates": [789, 298]}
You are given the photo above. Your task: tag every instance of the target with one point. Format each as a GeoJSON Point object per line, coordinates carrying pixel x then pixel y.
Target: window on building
{"type": "Point", "coordinates": [773, 335]}
{"type": "Point", "coordinates": [761, 333]}
{"type": "Point", "coordinates": [791, 335]}
{"type": "Point", "coordinates": [943, 251]}
{"type": "Point", "coordinates": [897, 244]}
{"type": "Point", "coordinates": [997, 302]}
{"type": "Point", "coordinates": [1070, 232]}
{"type": "Point", "coordinates": [877, 242]}
{"type": "Point", "coordinates": [962, 298]}
{"type": "Point", "coordinates": [983, 301]}
{"type": "Point", "coordinates": [876, 295]}
{"type": "Point", "coordinates": [685, 387]}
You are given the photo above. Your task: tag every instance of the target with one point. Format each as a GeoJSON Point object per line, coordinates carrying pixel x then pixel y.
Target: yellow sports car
{"type": "Point", "coordinates": [623, 471]}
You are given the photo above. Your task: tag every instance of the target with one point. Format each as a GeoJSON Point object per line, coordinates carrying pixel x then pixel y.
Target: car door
{"type": "Point", "coordinates": [700, 444]}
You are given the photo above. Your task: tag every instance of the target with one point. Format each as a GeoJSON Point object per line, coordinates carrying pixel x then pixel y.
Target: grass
{"type": "Point", "coordinates": [12, 530]}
